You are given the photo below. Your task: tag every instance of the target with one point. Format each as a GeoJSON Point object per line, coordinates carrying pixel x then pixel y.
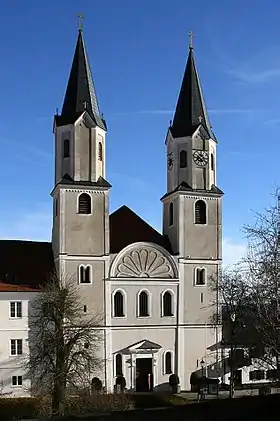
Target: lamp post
{"type": "Point", "coordinates": [203, 382]}
{"type": "Point", "coordinates": [202, 365]}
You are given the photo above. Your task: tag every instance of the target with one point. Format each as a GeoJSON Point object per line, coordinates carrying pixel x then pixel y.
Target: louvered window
{"type": "Point", "coordinates": [183, 159]}
{"type": "Point", "coordinates": [100, 151]}
{"type": "Point", "coordinates": [118, 365]}
{"type": "Point", "coordinates": [84, 203]}
{"type": "Point", "coordinates": [171, 214]}
{"type": "Point", "coordinates": [66, 148]}
{"type": "Point", "coordinates": [200, 212]}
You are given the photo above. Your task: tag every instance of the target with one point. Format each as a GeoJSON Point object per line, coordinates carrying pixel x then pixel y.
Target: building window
{"type": "Point", "coordinates": [256, 375]}
{"type": "Point", "coordinates": [16, 380]}
{"type": "Point", "coordinates": [55, 205]}
{"type": "Point", "coordinates": [167, 304]}
{"type": "Point", "coordinates": [66, 148]}
{"type": "Point", "coordinates": [100, 151]}
{"type": "Point", "coordinates": [201, 297]}
{"type": "Point", "coordinates": [273, 374]}
{"type": "Point", "coordinates": [171, 214]}
{"type": "Point", "coordinates": [200, 276]}
{"type": "Point", "coordinates": [200, 212]}
{"type": "Point", "coordinates": [143, 304]}
{"type": "Point", "coordinates": [118, 365]}
{"type": "Point", "coordinates": [16, 346]}
{"type": "Point", "coordinates": [183, 159]}
{"type": "Point", "coordinates": [84, 203]}
{"type": "Point", "coordinates": [118, 304]}
{"type": "Point", "coordinates": [15, 309]}
{"type": "Point", "coordinates": [85, 274]}
{"type": "Point", "coordinates": [212, 161]}
{"type": "Point", "coordinates": [85, 308]}
{"type": "Point", "coordinates": [168, 363]}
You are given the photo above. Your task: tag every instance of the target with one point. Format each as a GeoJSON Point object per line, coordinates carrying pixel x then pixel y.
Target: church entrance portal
{"type": "Point", "coordinates": [144, 374]}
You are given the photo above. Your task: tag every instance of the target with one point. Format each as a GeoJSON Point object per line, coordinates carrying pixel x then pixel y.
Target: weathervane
{"type": "Point", "coordinates": [191, 40]}
{"type": "Point", "coordinates": [80, 21]}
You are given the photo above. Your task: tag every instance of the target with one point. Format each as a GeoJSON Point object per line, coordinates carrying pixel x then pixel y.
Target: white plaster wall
{"type": "Point", "coordinates": [121, 338]}
{"type": "Point", "coordinates": [13, 328]}
{"type": "Point", "coordinates": [197, 341]}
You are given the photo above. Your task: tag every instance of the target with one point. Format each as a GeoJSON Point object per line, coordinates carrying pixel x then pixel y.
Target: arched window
{"type": "Point", "coordinates": [183, 159]}
{"type": "Point", "coordinates": [212, 161]}
{"type": "Point", "coordinates": [118, 304]}
{"type": "Point", "coordinates": [100, 151]}
{"type": "Point", "coordinates": [85, 275]}
{"type": "Point", "coordinates": [200, 212]}
{"type": "Point", "coordinates": [66, 148]}
{"type": "Point", "coordinates": [143, 304]}
{"type": "Point", "coordinates": [171, 214]}
{"type": "Point", "coordinates": [84, 204]}
{"type": "Point", "coordinates": [167, 304]}
{"type": "Point", "coordinates": [168, 363]}
{"type": "Point", "coordinates": [200, 276]}
{"type": "Point", "coordinates": [118, 365]}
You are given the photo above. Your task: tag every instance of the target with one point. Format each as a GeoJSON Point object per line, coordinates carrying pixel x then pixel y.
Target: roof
{"type": "Point", "coordinates": [16, 288]}
{"type": "Point", "coordinates": [80, 93]}
{"type": "Point", "coordinates": [25, 263]}
{"type": "Point", "coordinates": [191, 109]}
{"type": "Point", "coordinates": [144, 344]}
{"type": "Point", "coordinates": [185, 187]}
{"type": "Point", "coordinates": [101, 182]}
{"type": "Point", "coordinates": [126, 227]}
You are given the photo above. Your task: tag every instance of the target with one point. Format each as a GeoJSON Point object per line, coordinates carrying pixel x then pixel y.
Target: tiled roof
{"type": "Point", "coordinates": [25, 263]}
{"type": "Point", "coordinates": [126, 227]}
{"type": "Point", "coordinates": [16, 288]}
{"type": "Point", "coordinates": [29, 264]}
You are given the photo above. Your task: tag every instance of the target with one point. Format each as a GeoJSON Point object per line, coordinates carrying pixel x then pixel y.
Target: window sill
{"type": "Point", "coordinates": [85, 283]}
{"type": "Point", "coordinates": [144, 317]}
{"type": "Point", "coordinates": [168, 317]}
{"type": "Point", "coordinates": [16, 387]}
{"type": "Point", "coordinates": [200, 285]}
{"type": "Point", "coordinates": [119, 317]}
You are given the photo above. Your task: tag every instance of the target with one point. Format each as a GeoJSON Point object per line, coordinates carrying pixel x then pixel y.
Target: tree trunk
{"type": "Point", "coordinates": [58, 397]}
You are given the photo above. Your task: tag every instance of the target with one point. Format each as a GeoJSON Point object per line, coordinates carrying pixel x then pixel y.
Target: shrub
{"type": "Point", "coordinates": [17, 408]}
{"type": "Point", "coordinates": [174, 380]}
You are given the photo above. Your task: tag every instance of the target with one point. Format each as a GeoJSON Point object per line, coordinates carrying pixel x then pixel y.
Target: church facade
{"type": "Point", "coordinates": [151, 288]}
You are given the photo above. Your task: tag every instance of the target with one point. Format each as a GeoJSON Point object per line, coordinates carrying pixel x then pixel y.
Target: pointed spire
{"type": "Point", "coordinates": [190, 110]}
{"type": "Point", "coordinates": [80, 93]}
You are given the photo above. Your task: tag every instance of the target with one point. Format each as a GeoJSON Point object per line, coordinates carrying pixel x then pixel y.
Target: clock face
{"type": "Point", "coordinates": [200, 158]}
{"type": "Point", "coordinates": [170, 160]}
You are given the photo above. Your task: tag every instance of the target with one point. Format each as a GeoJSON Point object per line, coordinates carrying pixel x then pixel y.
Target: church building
{"type": "Point", "coordinates": [152, 288]}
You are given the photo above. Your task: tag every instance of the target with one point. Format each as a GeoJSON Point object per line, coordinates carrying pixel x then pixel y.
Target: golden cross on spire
{"type": "Point", "coordinates": [191, 40]}
{"type": "Point", "coordinates": [80, 21]}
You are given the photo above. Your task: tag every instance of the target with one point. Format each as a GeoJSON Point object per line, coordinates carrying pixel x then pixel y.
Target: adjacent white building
{"type": "Point", "coordinates": [14, 336]}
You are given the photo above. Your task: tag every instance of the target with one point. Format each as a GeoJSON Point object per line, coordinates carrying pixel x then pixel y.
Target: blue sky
{"type": "Point", "coordinates": [137, 51]}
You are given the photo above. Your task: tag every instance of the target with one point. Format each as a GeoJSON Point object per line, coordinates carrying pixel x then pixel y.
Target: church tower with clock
{"type": "Point", "coordinates": [192, 218]}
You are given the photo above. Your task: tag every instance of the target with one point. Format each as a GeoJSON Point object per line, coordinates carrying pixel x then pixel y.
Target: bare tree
{"type": "Point", "coordinates": [65, 342]}
{"type": "Point", "coordinates": [263, 263]}
{"type": "Point", "coordinates": [231, 291]}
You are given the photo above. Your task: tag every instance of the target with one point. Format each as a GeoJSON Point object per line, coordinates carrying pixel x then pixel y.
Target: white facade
{"type": "Point", "coordinates": [14, 335]}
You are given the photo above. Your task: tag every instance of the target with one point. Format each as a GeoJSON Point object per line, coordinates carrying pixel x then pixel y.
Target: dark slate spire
{"type": "Point", "coordinates": [190, 110]}
{"type": "Point", "coordinates": [80, 93]}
